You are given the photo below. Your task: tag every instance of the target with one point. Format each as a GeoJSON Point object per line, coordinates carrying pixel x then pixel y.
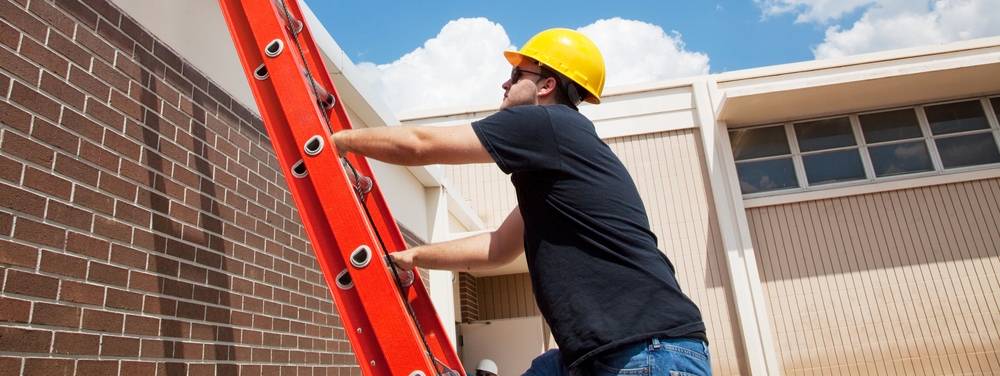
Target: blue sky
{"type": "Point", "coordinates": [416, 53]}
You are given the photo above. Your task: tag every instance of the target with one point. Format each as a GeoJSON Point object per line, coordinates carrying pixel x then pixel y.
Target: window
{"type": "Point", "coordinates": [867, 147]}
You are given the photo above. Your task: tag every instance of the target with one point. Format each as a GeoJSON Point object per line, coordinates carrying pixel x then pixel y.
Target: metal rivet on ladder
{"type": "Point", "coordinates": [361, 256]}
{"type": "Point", "coordinates": [314, 145]}
{"type": "Point", "coordinates": [299, 169]}
{"type": "Point", "coordinates": [295, 26]}
{"type": "Point", "coordinates": [260, 73]}
{"type": "Point", "coordinates": [406, 278]}
{"type": "Point", "coordinates": [344, 281]}
{"type": "Point", "coordinates": [323, 97]}
{"type": "Point", "coordinates": [274, 48]}
{"type": "Point", "coordinates": [373, 363]}
{"type": "Point", "coordinates": [418, 373]}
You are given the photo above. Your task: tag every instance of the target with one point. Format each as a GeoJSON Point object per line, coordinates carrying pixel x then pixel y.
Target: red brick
{"type": "Point", "coordinates": [110, 228]}
{"type": "Point", "coordinates": [155, 305]}
{"type": "Point", "coordinates": [104, 273]}
{"type": "Point", "coordinates": [56, 87]}
{"type": "Point", "coordinates": [97, 367]}
{"type": "Point", "coordinates": [111, 33]}
{"type": "Point", "coordinates": [39, 233]}
{"type": "Point", "coordinates": [142, 325]}
{"type": "Point", "coordinates": [47, 183]}
{"type": "Point", "coordinates": [133, 214]}
{"type": "Point", "coordinates": [129, 106]}
{"type": "Point", "coordinates": [77, 292]}
{"type": "Point", "coordinates": [94, 200]}
{"type": "Point", "coordinates": [31, 284]}
{"type": "Point", "coordinates": [128, 256]}
{"type": "Point", "coordinates": [53, 16]}
{"type": "Point", "coordinates": [69, 215]}
{"type": "Point", "coordinates": [48, 367]}
{"type": "Point", "coordinates": [144, 282]}
{"type": "Point", "coordinates": [137, 368]}
{"type": "Point", "coordinates": [9, 36]}
{"type": "Point", "coordinates": [102, 321]}
{"type": "Point", "coordinates": [68, 343]}
{"type": "Point", "coordinates": [14, 310]}
{"type": "Point", "coordinates": [119, 347]}
{"type": "Point", "coordinates": [55, 315]}
{"type": "Point", "coordinates": [156, 348]}
{"type": "Point", "coordinates": [56, 136]}
{"type": "Point", "coordinates": [63, 264]}
{"type": "Point", "coordinates": [77, 171]}
{"type": "Point", "coordinates": [10, 170]}
{"type": "Point", "coordinates": [18, 65]}
{"type": "Point", "coordinates": [35, 101]}
{"type": "Point", "coordinates": [148, 61]}
{"type": "Point", "coordinates": [82, 125]}
{"type": "Point", "coordinates": [70, 50]}
{"type": "Point", "coordinates": [44, 57]}
{"type": "Point", "coordinates": [122, 299]}
{"type": "Point", "coordinates": [87, 245]}
{"type": "Point", "coordinates": [29, 150]}
{"type": "Point", "coordinates": [178, 288]}
{"type": "Point", "coordinates": [18, 254]}
{"type": "Point", "coordinates": [10, 366]}
{"type": "Point", "coordinates": [24, 340]}
{"type": "Point", "coordinates": [105, 114]}
{"type": "Point", "coordinates": [192, 311]}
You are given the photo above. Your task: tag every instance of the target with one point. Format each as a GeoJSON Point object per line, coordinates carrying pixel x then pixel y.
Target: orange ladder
{"type": "Point", "coordinates": [390, 321]}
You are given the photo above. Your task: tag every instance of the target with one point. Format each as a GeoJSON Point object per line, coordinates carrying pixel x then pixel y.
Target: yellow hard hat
{"type": "Point", "coordinates": [570, 53]}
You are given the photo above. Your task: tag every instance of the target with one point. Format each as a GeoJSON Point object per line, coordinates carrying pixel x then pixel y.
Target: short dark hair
{"type": "Point", "coordinates": [566, 89]}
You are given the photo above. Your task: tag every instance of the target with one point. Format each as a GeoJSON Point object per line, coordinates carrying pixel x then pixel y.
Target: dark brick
{"type": "Point", "coordinates": [35, 101]}
{"type": "Point", "coordinates": [131, 68]}
{"type": "Point", "coordinates": [39, 233]}
{"type": "Point", "coordinates": [110, 228]}
{"type": "Point", "coordinates": [53, 17]}
{"type": "Point", "coordinates": [9, 36]}
{"type": "Point", "coordinates": [82, 125]}
{"type": "Point", "coordinates": [136, 172]}
{"type": "Point", "coordinates": [177, 288]}
{"type": "Point", "coordinates": [137, 368]}
{"type": "Point", "coordinates": [142, 325]}
{"type": "Point", "coordinates": [101, 50]}
{"type": "Point", "coordinates": [156, 348]}
{"type": "Point", "coordinates": [18, 254]}
{"type": "Point", "coordinates": [144, 282]}
{"type": "Point", "coordinates": [58, 88]}
{"type": "Point", "coordinates": [85, 244]}
{"type": "Point", "coordinates": [163, 265]}
{"type": "Point", "coordinates": [102, 321]}
{"type": "Point", "coordinates": [106, 9]}
{"type": "Point", "coordinates": [75, 170]}
{"type": "Point", "coordinates": [128, 105]}
{"type": "Point", "coordinates": [70, 216]}
{"type": "Point", "coordinates": [94, 200]}
{"type": "Point", "coordinates": [79, 11]}
{"type": "Point", "coordinates": [219, 315]}
{"type": "Point", "coordinates": [67, 343]}
{"type": "Point", "coordinates": [19, 66]}
{"type": "Point", "coordinates": [24, 340]}
{"type": "Point", "coordinates": [98, 155]}
{"type": "Point", "coordinates": [119, 347]}
{"type": "Point", "coordinates": [63, 264]}
{"type": "Point", "coordinates": [21, 200]}
{"type": "Point", "coordinates": [14, 310]}
{"type": "Point", "coordinates": [132, 214]}
{"type": "Point", "coordinates": [105, 77]}
{"type": "Point", "coordinates": [55, 136]}
{"type": "Point", "coordinates": [128, 256]}
{"type": "Point", "coordinates": [14, 117]}
{"type": "Point", "coordinates": [31, 284]}
{"type": "Point", "coordinates": [18, 17]}
{"type": "Point", "coordinates": [47, 183]}
{"type": "Point", "coordinates": [78, 292]}
{"type": "Point", "coordinates": [148, 61]}
{"type": "Point", "coordinates": [123, 145]}
{"type": "Point", "coordinates": [175, 79]}
{"type": "Point", "coordinates": [4, 79]}
{"type": "Point", "coordinates": [16, 145]}
{"type": "Point", "coordinates": [44, 57]}
{"type": "Point", "coordinates": [117, 186]}
{"type": "Point", "coordinates": [155, 305]}
{"type": "Point", "coordinates": [48, 367]}
{"type": "Point", "coordinates": [89, 83]}
{"type": "Point", "coordinates": [104, 114]}
{"type": "Point", "coordinates": [11, 170]}
{"type": "Point", "coordinates": [111, 34]}
{"type": "Point", "coordinates": [55, 315]}
{"type": "Point", "coordinates": [134, 30]}
{"type": "Point", "coordinates": [122, 299]}
{"type": "Point", "coordinates": [171, 95]}
{"type": "Point", "coordinates": [97, 367]}
{"type": "Point", "coordinates": [112, 275]}
{"type": "Point", "coordinates": [191, 311]}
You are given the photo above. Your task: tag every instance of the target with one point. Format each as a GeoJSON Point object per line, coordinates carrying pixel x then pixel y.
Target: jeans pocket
{"type": "Point", "coordinates": [629, 361]}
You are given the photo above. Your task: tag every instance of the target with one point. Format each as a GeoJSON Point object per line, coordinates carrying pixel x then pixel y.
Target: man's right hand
{"type": "Point", "coordinates": [402, 259]}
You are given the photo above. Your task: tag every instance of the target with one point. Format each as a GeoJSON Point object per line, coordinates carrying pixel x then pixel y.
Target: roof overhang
{"type": "Point", "coordinates": [874, 81]}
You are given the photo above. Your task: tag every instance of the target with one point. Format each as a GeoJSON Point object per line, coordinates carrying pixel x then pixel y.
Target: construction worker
{"type": "Point", "coordinates": [609, 295]}
{"type": "Point", "coordinates": [486, 367]}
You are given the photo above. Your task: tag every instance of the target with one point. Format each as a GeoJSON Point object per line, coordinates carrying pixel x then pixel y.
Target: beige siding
{"type": "Point", "coordinates": [505, 297]}
{"type": "Point", "coordinates": [901, 282]}
{"type": "Point", "coordinates": [672, 180]}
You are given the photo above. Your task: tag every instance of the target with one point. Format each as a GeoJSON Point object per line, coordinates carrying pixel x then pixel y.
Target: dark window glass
{"type": "Point", "coordinates": [824, 134]}
{"type": "Point", "coordinates": [766, 175]}
{"type": "Point", "coordinates": [996, 106]}
{"type": "Point", "coordinates": [832, 167]}
{"type": "Point", "coordinates": [956, 117]}
{"type": "Point", "coordinates": [890, 126]}
{"type": "Point", "coordinates": [904, 158]}
{"type": "Point", "coordinates": [970, 150]}
{"type": "Point", "coordinates": [759, 142]}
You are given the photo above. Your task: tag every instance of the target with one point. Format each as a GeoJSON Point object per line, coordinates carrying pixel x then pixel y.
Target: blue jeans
{"type": "Point", "coordinates": [673, 357]}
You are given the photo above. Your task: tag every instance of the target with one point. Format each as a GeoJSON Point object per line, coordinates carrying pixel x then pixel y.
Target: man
{"type": "Point", "coordinates": [608, 294]}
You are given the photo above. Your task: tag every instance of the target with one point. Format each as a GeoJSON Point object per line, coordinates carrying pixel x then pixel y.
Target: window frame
{"type": "Point", "coordinates": [862, 147]}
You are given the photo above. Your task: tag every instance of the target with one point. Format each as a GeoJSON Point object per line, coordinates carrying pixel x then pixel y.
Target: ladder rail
{"type": "Point", "coordinates": [375, 313]}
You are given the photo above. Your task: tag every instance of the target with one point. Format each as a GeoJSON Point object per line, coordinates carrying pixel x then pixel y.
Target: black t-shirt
{"type": "Point", "coordinates": [596, 272]}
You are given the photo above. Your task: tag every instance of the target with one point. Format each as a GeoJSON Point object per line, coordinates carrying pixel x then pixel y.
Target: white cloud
{"type": "Point", "coordinates": [464, 63]}
{"type": "Point", "coordinates": [891, 24]}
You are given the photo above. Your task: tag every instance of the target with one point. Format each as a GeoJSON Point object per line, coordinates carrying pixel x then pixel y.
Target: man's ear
{"type": "Point", "coordinates": [548, 87]}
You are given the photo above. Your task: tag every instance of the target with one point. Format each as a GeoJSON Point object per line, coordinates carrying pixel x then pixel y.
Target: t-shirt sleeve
{"type": "Point", "coordinates": [520, 139]}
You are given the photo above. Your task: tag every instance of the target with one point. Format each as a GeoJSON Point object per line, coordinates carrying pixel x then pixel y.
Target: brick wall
{"type": "Point", "coordinates": [145, 227]}
{"type": "Point", "coordinates": [468, 298]}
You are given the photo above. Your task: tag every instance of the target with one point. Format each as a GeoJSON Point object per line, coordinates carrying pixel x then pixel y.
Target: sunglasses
{"type": "Point", "coordinates": [515, 74]}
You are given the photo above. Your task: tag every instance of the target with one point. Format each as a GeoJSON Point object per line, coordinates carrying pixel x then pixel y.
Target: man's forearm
{"type": "Point", "coordinates": [396, 145]}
